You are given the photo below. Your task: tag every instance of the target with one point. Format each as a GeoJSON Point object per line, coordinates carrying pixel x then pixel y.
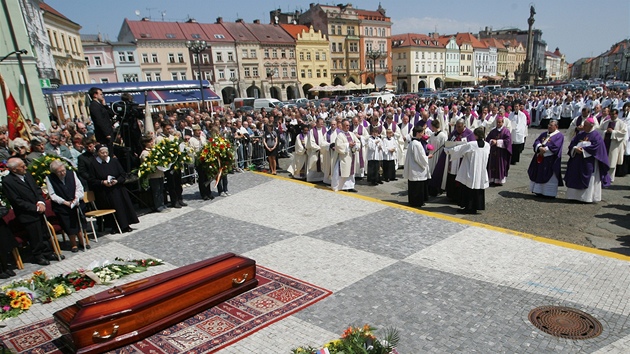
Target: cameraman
{"type": "Point", "coordinates": [101, 117]}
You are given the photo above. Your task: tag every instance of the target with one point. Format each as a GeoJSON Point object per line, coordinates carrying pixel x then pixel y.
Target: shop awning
{"type": "Point", "coordinates": [458, 78]}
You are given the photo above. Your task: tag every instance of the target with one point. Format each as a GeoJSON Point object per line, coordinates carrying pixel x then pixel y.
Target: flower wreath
{"type": "Point", "coordinates": [216, 157]}
{"type": "Point", "coordinates": [40, 168]}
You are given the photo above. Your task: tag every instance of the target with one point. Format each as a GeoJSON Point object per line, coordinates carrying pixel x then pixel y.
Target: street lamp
{"type": "Point", "coordinates": [270, 73]}
{"type": "Point", "coordinates": [478, 72]}
{"type": "Point", "coordinates": [18, 53]}
{"type": "Point", "coordinates": [234, 80]}
{"type": "Point", "coordinates": [616, 67]}
{"type": "Point", "coordinates": [197, 47]}
{"type": "Point", "coordinates": [398, 70]}
{"type": "Point", "coordinates": [374, 54]}
{"type": "Point", "coordinates": [627, 56]}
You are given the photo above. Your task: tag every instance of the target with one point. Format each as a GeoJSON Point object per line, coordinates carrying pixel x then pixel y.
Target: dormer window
{"type": "Point", "coordinates": [170, 35]}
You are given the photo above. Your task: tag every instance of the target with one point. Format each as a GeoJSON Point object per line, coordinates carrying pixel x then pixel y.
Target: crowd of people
{"type": "Point", "coordinates": [457, 146]}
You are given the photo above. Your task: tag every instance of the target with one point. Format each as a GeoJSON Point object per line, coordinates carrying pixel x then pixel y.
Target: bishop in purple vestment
{"type": "Point", "coordinates": [587, 168]}
{"type": "Point", "coordinates": [544, 169]}
{"type": "Point", "coordinates": [500, 141]}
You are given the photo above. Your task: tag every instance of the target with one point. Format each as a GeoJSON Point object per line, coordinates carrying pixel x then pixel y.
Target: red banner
{"type": "Point", "coordinates": [16, 121]}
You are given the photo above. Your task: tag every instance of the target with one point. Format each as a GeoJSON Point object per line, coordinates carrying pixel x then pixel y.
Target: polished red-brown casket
{"type": "Point", "coordinates": [128, 313]}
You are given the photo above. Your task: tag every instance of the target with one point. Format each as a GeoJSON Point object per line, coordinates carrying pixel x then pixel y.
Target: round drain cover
{"type": "Point", "coordinates": [565, 322]}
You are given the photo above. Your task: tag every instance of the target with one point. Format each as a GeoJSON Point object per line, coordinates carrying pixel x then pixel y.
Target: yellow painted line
{"type": "Point", "coordinates": [464, 221]}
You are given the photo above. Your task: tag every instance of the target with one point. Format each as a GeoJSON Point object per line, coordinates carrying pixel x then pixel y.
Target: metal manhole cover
{"type": "Point", "coordinates": [565, 322]}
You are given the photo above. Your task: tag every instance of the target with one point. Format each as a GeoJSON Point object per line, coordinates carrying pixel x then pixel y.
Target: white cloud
{"type": "Point", "coordinates": [427, 24]}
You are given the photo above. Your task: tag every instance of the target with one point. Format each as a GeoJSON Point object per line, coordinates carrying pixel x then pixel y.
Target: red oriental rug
{"type": "Point", "coordinates": [276, 297]}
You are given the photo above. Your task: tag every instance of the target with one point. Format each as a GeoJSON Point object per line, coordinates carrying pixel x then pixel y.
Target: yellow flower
{"type": "Point", "coordinates": [59, 290]}
{"type": "Point", "coordinates": [16, 303]}
{"type": "Point", "coordinates": [25, 305]}
{"type": "Point", "coordinates": [12, 294]}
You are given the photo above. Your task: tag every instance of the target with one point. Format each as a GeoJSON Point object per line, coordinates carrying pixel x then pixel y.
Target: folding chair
{"type": "Point", "coordinates": [91, 216]}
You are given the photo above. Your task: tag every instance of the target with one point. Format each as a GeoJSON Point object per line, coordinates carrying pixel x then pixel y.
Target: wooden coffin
{"type": "Point", "coordinates": [128, 313]}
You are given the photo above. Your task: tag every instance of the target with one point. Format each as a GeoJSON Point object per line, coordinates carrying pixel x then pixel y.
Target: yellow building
{"type": "Point", "coordinates": [67, 51]}
{"type": "Point", "coordinates": [516, 54]}
{"type": "Point", "coordinates": [313, 59]}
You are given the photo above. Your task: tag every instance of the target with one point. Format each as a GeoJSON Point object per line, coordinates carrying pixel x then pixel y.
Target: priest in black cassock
{"type": "Point", "coordinates": [107, 179]}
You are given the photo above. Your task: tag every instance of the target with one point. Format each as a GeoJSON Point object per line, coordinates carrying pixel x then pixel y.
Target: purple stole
{"type": "Point", "coordinates": [397, 117]}
{"type": "Point", "coordinates": [349, 137]}
{"type": "Point", "coordinates": [365, 123]}
{"type": "Point", "coordinates": [416, 118]}
{"type": "Point", "coordinates": [392, 127]}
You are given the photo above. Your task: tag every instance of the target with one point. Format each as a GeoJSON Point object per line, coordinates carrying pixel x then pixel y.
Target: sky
{"type": "Point", "coordinates": [579, 28]}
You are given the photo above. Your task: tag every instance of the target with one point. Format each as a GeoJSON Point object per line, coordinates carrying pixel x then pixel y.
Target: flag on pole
{"type": "Point", "coordinates": [15, 119]}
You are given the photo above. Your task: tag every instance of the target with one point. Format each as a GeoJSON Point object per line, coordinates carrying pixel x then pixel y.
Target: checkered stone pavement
{"type": "Point", "coordinates": [448, 285]}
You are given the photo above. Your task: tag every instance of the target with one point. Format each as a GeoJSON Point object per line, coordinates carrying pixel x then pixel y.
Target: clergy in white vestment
{"type": "Point", "coordinates": [390, 149]}
{"type": "Point", "coordinates": [437, 139]}
{"type": "Point", "coordinates": [519, 132]}
{"type": "Point", "coordinates": [614, 132]}
{"type": "Point", "coordinates": [328, 151]}
{"type": "Point", "coordinates": [298, 166]}
{"type": "Point", "coordinates": [389, 124]}
{"type": "Point", "coordinates": [362, 134]}
{"type": "Point", "coordinates": [344, 158]}
{"type": "Point", "coordinates": [316, 146]}
{"type": "Point", "coordinates": [577, 124]}
{"type": "Point", "coordinates": [406, 134]}
{"type": "Point", "coordinates": [473, 172]}
{"type": "Point", "coordinates": [416, 169]}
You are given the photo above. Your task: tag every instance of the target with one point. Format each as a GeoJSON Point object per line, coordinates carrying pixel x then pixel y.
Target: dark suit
{"type": "Point", "coordinates": [24, 197]}
{"type": "Point", "coordinates": [102, 119]}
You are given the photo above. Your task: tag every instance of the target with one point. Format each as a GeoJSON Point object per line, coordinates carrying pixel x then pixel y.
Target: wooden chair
{"type": "Point", "coordinates": [18, 232]}
{"type": "Point", "coordinates": [91, 216]}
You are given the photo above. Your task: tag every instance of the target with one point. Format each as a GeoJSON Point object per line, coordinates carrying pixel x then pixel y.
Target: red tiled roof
{"type": "Point", "coordinates": [469, 38]}
{"type": "Point", "coordinates": [415, 40]}
{"type": "Point", "coordinates": [267, 33]}
{"type": "Point", "coordinates": [155, 30]}
{"type": "Point", "coordinates": [493, 42]}
{"type": "Point", "coordinates": [239, 32]}
{"type": "Point", "coordinates": [294, 30]}
{"type": "Point", "coordinates": [216, 32]}
{"type": "Point", "coordinates": [44, 6]}
{"type": "Point", "coordinates": [371, 14]}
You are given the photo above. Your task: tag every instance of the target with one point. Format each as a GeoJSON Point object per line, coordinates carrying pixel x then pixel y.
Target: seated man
{"type": "Point", "coordinates": [28, 204]}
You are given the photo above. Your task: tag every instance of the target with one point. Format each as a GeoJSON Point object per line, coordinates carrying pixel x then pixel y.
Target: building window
{"type": "Point", "coordinates": [334, 62]}
{"type": "Point", "coordinates": [366, 32]}
{"type": "Point", "coordinates": [291, 54]}
{"type": "Point", "coordinates": [255, 71]}
{"type": "Point", "coordinates": [221, 74]}
{"type": "Point", "coordinates": [174, 76]}
{"type": "Point", "coordinates": [266, 53]}
{"type": "Point", "coordinates": [334, 47]}
{"type": "Point", "coordinates": [324, 56]}
{"type": "Point", "coordinates": [245, 53]}
{"type": "Point", "coordinates": [316, 55]}
{"type": "Point", "coordinates": [130, 57]}
{"type": "Point", "coordinates": [423, 68]}
{"type": "Point", "coordinates": [302, 56]}
{"type": "Point", "coordinates": [207, 75]}
{"type": "Point", "coordinates": [274, 53]}
{"type": "Point", "coordinates": [293, 72]}
{"type": "Point", "coordinates": [148, 77]}
{"type": "Point", "coordinates": [195, 60]}
{"type": "Point", "coordinates": [417, 68]}
{"type": "Point", "coordinates": [219, 36]}
{"type": "Point", "coordinates": [145, 57]}
{"type": "Point", "coordinates": [158, 77]}
{"type": "Point", "coordinates": [205, 58]}
{"type": "Point", "coordinates": [232, 74]}
{"type": "Point", "coordinates": [97, 61]}
{"type": "Point", "coordinates": [325, 73]}
{"type": "Point", "coordinates": [354, 47]}
{"type": "Point", "coordinates": [318, 73]}
{"type": "Point", "coordinates": [283, 54]}
{"type": "Point", "coordinates": [130, 77]}
{"type": "Point", "coordinates": [368, 46]}
{"type": "Point", "coordinates": [332, 29]}
{"type": "Point", "coordinates": [252, 53]}
{"type": "Point", "coordinates": [434, 68]}
{"type": "Point", "coordinates": [182, 75]}
{"type": "Point", "coordinates": [350, 31]}
{"type": "Point", "coordinates": [310, 73]}
{"type": "Point", "coordinates": [104, 80]}
{"type": "Point", "coordinates": [247, 72]}
{"type": "Point", "coordinates": [154, 58]}
{"type": "Point", "coordinates": [340, 47]}
{"type": "Point", "coordinates": [180, 57]}
{"type": "Point", "coordinates": [308, 55]}
{"type": "Point", "coordinates": [219, 56]}
{"type": "Point", "coordinates": [171, 57]}
{"type": "Point", "coordinates": [87, 61]}
{"type": "Point", "coordinates": [339, 29]}
{"type": "Point", "coordinates": [230, 56]}
{"type": "Point", "coordinates": [121, 57]}
{"type": "Point", "coordinates": [285, 72]}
